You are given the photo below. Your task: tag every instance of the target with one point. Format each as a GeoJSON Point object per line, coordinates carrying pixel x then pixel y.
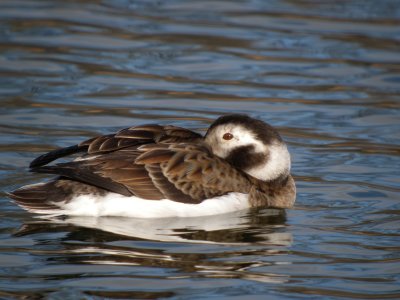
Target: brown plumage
{"type": "Point", "coordinates": [155, 162]}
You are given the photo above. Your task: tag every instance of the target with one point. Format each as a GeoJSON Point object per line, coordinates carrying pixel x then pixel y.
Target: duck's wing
{"type": "Point", "coordinates": [183, 172]}
{"type": "Point", "coordinates": [193, 170]}
{"type": "Point", "coordinates": [125, 138]}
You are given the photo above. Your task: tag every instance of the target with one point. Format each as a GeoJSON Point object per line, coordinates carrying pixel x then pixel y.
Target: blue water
{"type": "Point", "coordinates": [325, 73]}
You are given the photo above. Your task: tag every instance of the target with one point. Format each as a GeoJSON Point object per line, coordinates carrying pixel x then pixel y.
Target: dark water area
{"type": "Point", "coordinates": [325, 73]}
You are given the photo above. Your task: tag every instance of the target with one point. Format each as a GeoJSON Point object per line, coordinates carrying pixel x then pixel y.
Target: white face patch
{"type": "Point", "coordinates": [241, 137]}
{"type": "Point", "coordinates": [278, 162]}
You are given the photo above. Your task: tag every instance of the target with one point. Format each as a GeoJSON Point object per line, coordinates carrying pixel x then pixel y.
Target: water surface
{"type": "Point", "coordinates": [325, 73]}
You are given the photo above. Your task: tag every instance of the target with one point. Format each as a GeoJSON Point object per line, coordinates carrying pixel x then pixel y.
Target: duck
{"type": "Point", "coordinates": [161, 171]}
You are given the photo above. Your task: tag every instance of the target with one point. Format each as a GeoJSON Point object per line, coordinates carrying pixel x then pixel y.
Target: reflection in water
{"type": "Point", "coordinates": [224, 229]}
{"type": "Point", "coordinates": [212, 246]}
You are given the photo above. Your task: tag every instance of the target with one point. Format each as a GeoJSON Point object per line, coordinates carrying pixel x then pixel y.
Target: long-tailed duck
{"type": "Point", "coordinates": [153, 171]}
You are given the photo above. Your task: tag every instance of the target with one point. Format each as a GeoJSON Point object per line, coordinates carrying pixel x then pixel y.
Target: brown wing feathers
{"type": "Point", "coordinates": [194, 170]}
{"type": "Point", "coordinates": [168, 189]}
{"type": "Point", "coordinates": [139, 135]}
{"type": "Point", "coordinates": [124, 138]}
{"type": "Point", "coordinates": [55, 154]}
{"type": "Point", "coordinates": [150, 161]}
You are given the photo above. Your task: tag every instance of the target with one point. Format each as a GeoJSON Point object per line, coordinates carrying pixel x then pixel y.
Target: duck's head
{"type": "Point", "coordinates": [250, 145]}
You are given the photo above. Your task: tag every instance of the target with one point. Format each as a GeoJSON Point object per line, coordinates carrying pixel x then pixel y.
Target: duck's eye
{"type": "Point", "coordinates": [227, 136]}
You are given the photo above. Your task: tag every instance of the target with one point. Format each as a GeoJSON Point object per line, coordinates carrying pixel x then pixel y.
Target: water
{"type": "Point", "coordinates": [326, 73]}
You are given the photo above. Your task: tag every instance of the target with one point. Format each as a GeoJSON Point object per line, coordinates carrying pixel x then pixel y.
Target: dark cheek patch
{"type": "Point", "coordinates": [245, 158]}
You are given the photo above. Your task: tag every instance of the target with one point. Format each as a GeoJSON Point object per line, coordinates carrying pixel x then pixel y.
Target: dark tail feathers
{"type": "Point", "coordinates": [38, 198]}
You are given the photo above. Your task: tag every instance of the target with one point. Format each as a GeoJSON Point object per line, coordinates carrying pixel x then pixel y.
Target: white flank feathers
{"type": "Point", "coordinates": [114, 204]}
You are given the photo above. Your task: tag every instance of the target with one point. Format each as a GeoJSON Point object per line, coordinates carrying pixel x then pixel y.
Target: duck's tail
{"type": "Point", "coordinates": [38, 198]}
{"type": "Point", "coordinates": [49, 197]}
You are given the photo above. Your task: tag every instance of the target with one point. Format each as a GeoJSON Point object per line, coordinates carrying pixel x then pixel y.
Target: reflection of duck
{"type": "Point", "coordinates": [240, 227]}
{"type": "Point", "coordinates": [165, 171]}
{"type": "Point", "coordinates": [238, 245]}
